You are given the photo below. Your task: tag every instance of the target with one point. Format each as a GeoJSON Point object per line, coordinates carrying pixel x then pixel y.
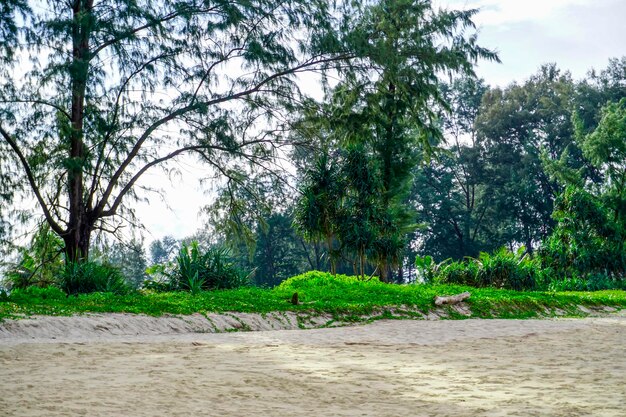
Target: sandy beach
{"type": "Point", "coordinates": [561, 367]}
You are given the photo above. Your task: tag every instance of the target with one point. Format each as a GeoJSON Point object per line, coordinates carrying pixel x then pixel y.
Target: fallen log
{"type": "Point", "coordinates": [452, 299]}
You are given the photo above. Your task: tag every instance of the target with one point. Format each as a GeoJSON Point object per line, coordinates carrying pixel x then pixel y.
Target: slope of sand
{"type": "Point", "coordinates": [554, 368]}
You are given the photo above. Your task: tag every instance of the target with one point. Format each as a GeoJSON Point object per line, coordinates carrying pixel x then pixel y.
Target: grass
{"type": "Point", "coordinates": [319, 293]}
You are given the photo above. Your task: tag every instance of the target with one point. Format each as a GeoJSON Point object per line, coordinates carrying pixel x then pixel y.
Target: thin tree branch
{"type": "Point", "coordinates": [31, 180]}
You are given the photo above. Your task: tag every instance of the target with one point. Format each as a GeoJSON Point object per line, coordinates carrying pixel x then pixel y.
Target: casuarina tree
{"type": "Point", "coordinates": [94, 93]}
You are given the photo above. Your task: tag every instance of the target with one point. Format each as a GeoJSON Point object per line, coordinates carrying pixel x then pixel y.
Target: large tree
{"type": "Point", "coordinates": [450, 191]}
{"type": "Point", "coordinates": [93, 93]}
{"type": "Point", "coordinates": [388, 109]}
{"type": "Point", "coordinates": [515, 126]}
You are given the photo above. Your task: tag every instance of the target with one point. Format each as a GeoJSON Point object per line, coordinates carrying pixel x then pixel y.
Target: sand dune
{"type": "Point", "coordinates": [552, 368]}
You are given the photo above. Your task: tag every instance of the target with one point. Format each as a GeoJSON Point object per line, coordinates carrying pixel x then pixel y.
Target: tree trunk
{"type": "Point", "coordinates": [77, 244]}
{"type": "Point", "coordinates": [331, 256]}
{"type": "Point", "coordinates": [362, 263]}
{"type": "Point", "coordinates": [79, 226]}
{"type": "Point", "coordinates": [384, 276]}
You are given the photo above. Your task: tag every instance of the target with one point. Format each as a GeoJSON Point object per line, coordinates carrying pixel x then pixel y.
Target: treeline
{"type": "Point", "coordinates": [538, 165]}
{"type": "Point", "coordinates": [537, 168]}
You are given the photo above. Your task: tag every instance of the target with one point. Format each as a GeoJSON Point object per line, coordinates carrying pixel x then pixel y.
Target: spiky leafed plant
{"type": "Point", "coordinates": [317, 208]}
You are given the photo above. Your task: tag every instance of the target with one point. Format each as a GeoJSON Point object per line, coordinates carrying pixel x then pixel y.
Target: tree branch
{"type": "Point", "coordinates": [39, 101]}
{"type": "Point", "coordinates": [31, 180]}
{"type": "Point", "coordinates": [118, 200]}
{"type": "Point", "coordinates": [194, 106]}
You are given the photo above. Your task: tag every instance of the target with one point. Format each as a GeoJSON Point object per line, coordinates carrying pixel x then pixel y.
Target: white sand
{"type": "Point", "coordinates": [554, 368]}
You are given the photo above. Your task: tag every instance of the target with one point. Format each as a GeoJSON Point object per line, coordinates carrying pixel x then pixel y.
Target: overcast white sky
{"type": "Point", "coordinates": [575, 34]}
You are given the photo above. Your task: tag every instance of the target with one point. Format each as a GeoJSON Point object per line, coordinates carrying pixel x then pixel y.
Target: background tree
{"type": "Point", "coordinates": [278, 252]}
{"type": "Point", "coordinates": [514, 126]}
{"type": "Point", "coordinates": [39, 263]}
{"type": "Point", "coordinates": [317, 209]}
{"type": "Point", "coordinates": [450, 190]}
{"type": "Point", "coordinates": [389, 107]}
{"type": "Point", "coordinates": [163, 250]}
{"type": "Point", "coordinates": [129, 257]}
{"type": "Point", "coordinates": [589, 241]}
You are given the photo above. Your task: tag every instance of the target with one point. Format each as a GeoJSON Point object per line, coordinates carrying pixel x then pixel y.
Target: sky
{"type": "Point", "coordinates": [577, 35]}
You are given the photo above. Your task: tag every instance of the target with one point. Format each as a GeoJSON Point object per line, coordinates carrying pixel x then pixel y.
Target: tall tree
{"type": "Point", "coordinates": [278, 252]}
{"type": "Point", "coordinates": [317, 209]}
{"type": "Point", "coordinates": [94, 93]}
{"type": "Point", "coordinates": [391, 106]}
{"type": "Point", "coordinates": [514, 126]}
{"type": "Point", "coordinates": [589, 240]}
{"type": "Point", "coordinates": [450, 191]}
{"type": "Point", "coordinates": [163, 250]}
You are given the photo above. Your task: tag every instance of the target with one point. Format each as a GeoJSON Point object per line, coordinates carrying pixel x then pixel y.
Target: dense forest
{"type": "Point", "coordinates": [410, 168]}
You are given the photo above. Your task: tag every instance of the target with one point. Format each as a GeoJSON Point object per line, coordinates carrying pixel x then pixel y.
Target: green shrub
{"type": "Point", "coordinates": [319, 279]}
{"type": "Point", "coordinates": [214, 269]}
{"type": "Point", "coordinates": [459, 272]}
{"type": "Point", "coordinates": [42, 293]}
{"type": "Point", "coordinates": [502, 269]}
{"type": "Point", "coordinates": [586, 250]}
{"type": "Point", "coordinates": [505, 269]}
{"type": "Point", "coordinates": [427, 269]}
{"type": "Point", "coordinates": [87, 277]}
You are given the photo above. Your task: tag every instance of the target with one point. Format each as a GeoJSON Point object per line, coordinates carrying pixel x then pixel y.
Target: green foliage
{"type": "Point", "coordinates": [87, 277]}
{"type": "Point", "coordinates": [93, 112]}
{"type": "Point", "coordinates": [588, 246]}
{"type": "Point", "coordinates": [319, 293]}
{"type": "Point", "coordinates": [380, 119]}
{"type": "Point", "coordinates": [39, 264]}
{"type": "Point", "coordinates": [127, 256]}
{"type": "Point", "coordinates": [195, 270]}
{"type": "Point", "coordinates": [451, 189]}
{"type": "Point", "coordinates": [513, 127]}
{"type": "Point", "coordinates": [502, 269]}
{"type": "Point", "coordinates": [428, 269]}
{"type": "Point", "coordinates": [279, 254]}
{"type": "Point", "coordinates": [505, 269]}
{"type": "Point", "coordinates": [42, 293]}
{"type": "Point", "coordinates": [462, 272]}
{"type": "Point", "coordinates": [587, 242]}
{"type": "Point", "coordinates": [317, 208]}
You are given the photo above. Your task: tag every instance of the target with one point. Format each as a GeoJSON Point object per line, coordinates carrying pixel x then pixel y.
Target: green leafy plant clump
{"type": "Point", "coordinates": [318, 293]}
{"type": "Point", "coordinates": [88, 277]}
{"type": "Point", "coordinates": [502, 269]}
{"type": "Point", "coordinates": [195, 270]}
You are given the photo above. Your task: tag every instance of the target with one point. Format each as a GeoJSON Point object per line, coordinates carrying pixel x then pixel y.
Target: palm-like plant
{"type": "Point", "coordinates": [316, 212]}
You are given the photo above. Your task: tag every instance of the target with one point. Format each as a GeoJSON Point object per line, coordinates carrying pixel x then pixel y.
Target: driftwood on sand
{"type": "Point", "coordinates": [452, 299]}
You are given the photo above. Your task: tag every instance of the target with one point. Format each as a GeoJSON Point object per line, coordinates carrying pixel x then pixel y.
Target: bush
{"type": "Point", "coordinates": [86, 277]}
{"type": "Point", "coordinates": [214, 269]}
{"type": "Point", "coordinates": [505, 269]}
{"type": "Point", "coordinates": [45, 293]}
{"type": "Point", "coordinates": [459, 272]}
{"type": "Point", "coordinates": [502, 269]}
{"type": "Point", "coordinates": [319, 279]}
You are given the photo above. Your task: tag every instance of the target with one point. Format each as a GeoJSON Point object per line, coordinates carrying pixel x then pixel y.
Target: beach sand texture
{"type": "Point", "coordinates": [564, 367]}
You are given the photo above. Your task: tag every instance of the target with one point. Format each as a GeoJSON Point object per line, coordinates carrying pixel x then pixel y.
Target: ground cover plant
{"type": "Point", "coordinates": [318, 293]}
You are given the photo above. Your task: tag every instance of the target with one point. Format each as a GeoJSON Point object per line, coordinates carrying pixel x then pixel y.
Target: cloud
{"type": "Point", "coordinates": [575, 34]}
{"type": "Point", "coordinates": [500, 12]}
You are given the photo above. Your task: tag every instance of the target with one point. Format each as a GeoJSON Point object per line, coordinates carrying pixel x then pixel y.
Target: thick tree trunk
{"type": "Point", "coordinates": [384, 275]}
{"type": "Point", "coordinates": [80, 225]}
{"type": "Point", "coordinates": [77, 244]}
